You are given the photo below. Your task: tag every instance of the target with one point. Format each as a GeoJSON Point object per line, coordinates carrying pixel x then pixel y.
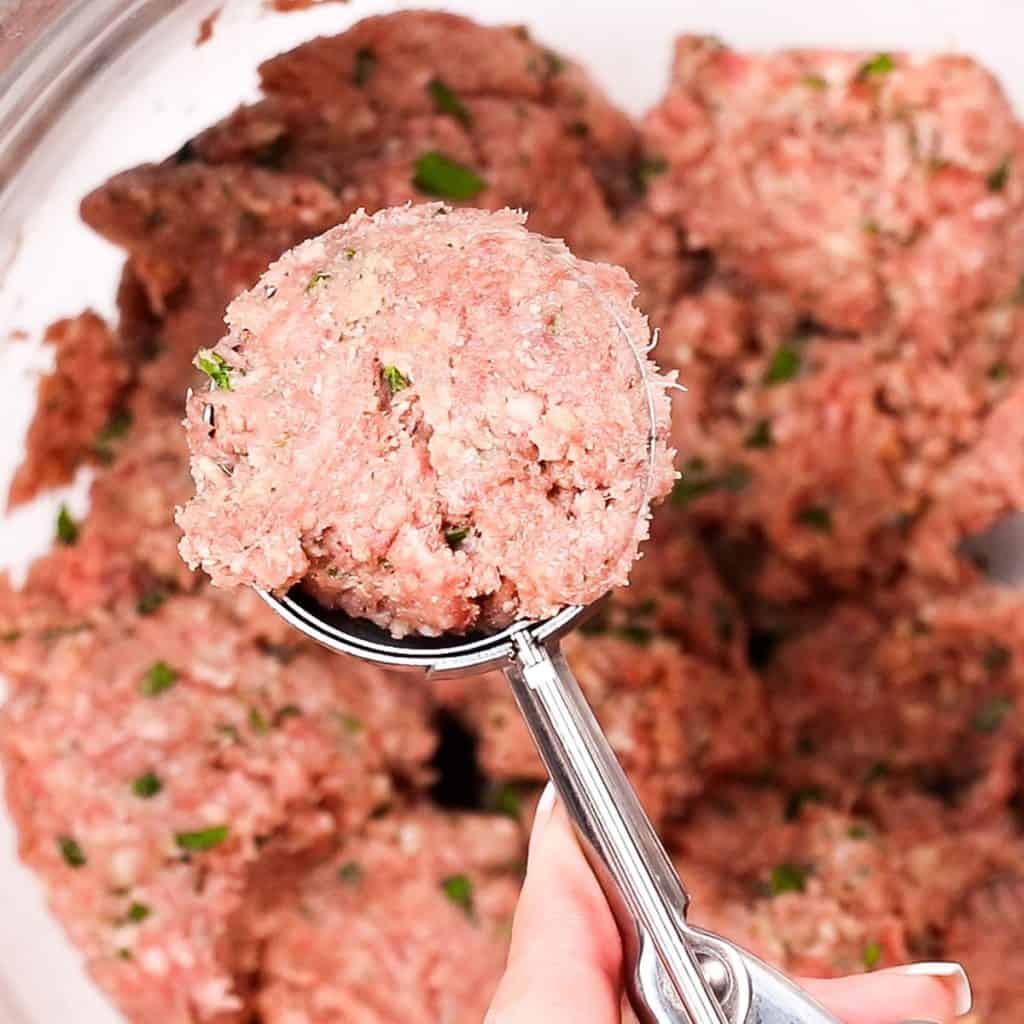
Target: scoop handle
{"type": "Point", "coordinates": [664, 977]}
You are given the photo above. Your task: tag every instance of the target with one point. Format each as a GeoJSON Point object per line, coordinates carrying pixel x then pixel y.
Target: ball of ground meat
{"type": "Point", "coordinates": [434, 420]}
{"type": "Point", "coordinates": [148, 761]}
{"type": "Point", "coordinates": [864, 186]}
{"type": "Point", "coordinates": [408, 921]}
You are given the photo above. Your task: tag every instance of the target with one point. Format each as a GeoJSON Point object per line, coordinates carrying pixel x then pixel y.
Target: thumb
{"type": "Point", "coordinates": [564, 963]}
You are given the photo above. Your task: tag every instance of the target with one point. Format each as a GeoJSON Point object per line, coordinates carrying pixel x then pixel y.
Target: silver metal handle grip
{"type": "Point", "coordinates": [642, 888]}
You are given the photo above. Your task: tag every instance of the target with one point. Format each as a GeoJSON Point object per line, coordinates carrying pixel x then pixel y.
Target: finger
{"type": "Point", "coordinates": [936, 993]}
{"type": "Point", "coordinates": [565, 959]}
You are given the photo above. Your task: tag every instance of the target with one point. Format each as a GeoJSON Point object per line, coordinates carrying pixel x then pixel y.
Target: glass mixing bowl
{"type": "Point", "coordinates": [89, 87]}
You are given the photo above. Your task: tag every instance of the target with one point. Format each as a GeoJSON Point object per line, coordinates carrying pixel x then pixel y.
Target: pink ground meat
{"type": "Point", "coordinates": [863, 186]}
{"type": "Point", "coordinates": [148, 760]}
{"type": "Point", "coordinates": [409, 921]}
{"type": "Point", "coordinates": [408, 421]}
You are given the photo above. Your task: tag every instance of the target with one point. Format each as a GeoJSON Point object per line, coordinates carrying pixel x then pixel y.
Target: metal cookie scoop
{"type": "Point", "coordinates": [676, 974]}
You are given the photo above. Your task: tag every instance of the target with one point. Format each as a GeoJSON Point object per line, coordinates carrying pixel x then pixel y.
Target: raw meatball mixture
{"type": "Point", "coordinates": [433, 419]}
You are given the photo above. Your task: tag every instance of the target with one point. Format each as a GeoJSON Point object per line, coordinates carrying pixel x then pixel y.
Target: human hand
{"type": "Point", "coordinates": [564, 964]}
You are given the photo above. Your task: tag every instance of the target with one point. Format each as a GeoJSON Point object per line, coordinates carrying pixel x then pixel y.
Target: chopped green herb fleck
{"type": "Point", "coordinates": [159, 677]}
{"type": "Point", "coordinates": [784, 365]}
{"type": "Point", "coordinates": [687, 489]}
{"type": "Point", "coordinates": [12, 636]}
{"type": "Point", "coordinates": [997, 658]}
{"type": "Point", "coordinates": [454, 538]}
{"type": "Point", "coordinates": [649, 167]}
{"type": "Point", "coordinates": [67, 528]}
{"type": "Point", "coordinates": [364, 66]}
{"type": "Point", "coordinates": [878, 770]}
{"type": "Point", "coordinates": [352, 725]}
{"type": "Point", "coordinates": [203, 839]}
{"type": "Point", "coordinates": [147, 785]}
{"type": "Point", "coordinates": [760, 435]}
{"type": "Point", "coordinates": [816, 82]}
{"type": "Point", "coordinates": [227, 729]}
{"type": "Point", "coordinates": [447, 101]}
{"type": "Point", "coordinates": [257, 722]}
{"type": "Point", "coordinates": [799, 797]}
{"type": "Point", "coordinates": [150, 601]}
{"type": "Point", "coordinates": [880, 64]}
{"type": "Point", "coordinates": [125, 954]}
{"type": "Point", "coordinates": [734, 478]}
{"type": "Point", "coordinates": [641, 636]}
{"type": "Point", "coordinates": [288, 711]}
{"type": "Point", "coordinates": [998, 371]}
{"type": "Point", "coordinates": [438, 175]}
{"type": "Point", "coordinates": [459, 889]}
{"type": "Point", "coordinates": [990, 715]}
{"type": "Point", "coordinates": [648, 606]}
{"type": "Point", "coordinates": [116, 427]}
{"type": "Point", "coordinates": [350, 254]}
{"type": "Point", "coordinates": [70, 850]}
{"type": "Point", "coordinates": [998, 176]}
{"type": "Point", "coordinates": [395, 379]}
{"type": "Point", "coordinates": [504, 799]}
{"type": "Point", "coordinates": [137, 913]}
{"type": "Point", "coordinates": [317, 278]}
{"type": "Point", "coordinates": [872, 955]}
{"type": "Point", "coordinates": [554, 62]}
{"type": "Point", "coordinates": [788, 878]}
{"type": "Point", "coordinates": [596, 625]}
{"type": "Point", "coordinates": [871, 227]}
{"type": "Point", "coordinates": [351, 873]}
{"type": "Point", "coordinates": [857, 832]}
{"type": "Point", "coordinates": [815, 517]}
{"type": "Point", "coordinates": [215, 366]}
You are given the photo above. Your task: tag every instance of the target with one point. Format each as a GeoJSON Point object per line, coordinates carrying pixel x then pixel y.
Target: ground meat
{"type": "Point", "coordinates": [359, 110]}
{"type": "Point", "coordinates": [919, 687]}
{"type": "Point", "coordinates": [863, 186]}
{"type": "Point", "coordinates": [148, 758]}
{"type": "Point", "coordinates": [820, 892]}
{"type": "Point", "coordinates": [465, 354]}
{"type": "Point", "coordinates": [75, 416]}
{"type": "Point", "coordinates": [663, 665]}
{"type": "Point", "coordinates": [408, 921]}
{"type": "Point", "coordinates": [837, 461]}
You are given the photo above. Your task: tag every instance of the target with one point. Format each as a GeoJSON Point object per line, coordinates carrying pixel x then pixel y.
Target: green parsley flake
{"type": "Point", "coordinates": [447, 102]}
{"type": "Point", "coordinates": [147, 786]}
{"type": "Point", "coordinates": [784, 365]}
{"type": "Point", "coordinates": [71, 851]}
{"type": "Point", "coordinates": [150, 601]}
{"type": "Point", "coordinates": [364, 66]}
{"type": "Point", "coordinates": [67, 528]}
{"type": "Point", "coordinates": [799, 797]}
{"type": "Point", "coordinates": [352, 725]}
{"type": "Point", "coordinates": [998, 371]}
{"type": "Point", "coordinates": [438, 175]}
{"type": "Point", "coordinates": [214, 365]}
{"type": "Point", "coordinates": [696, 482]}
{"type": "Point", "coordinates": [760, 435]}
{"type": "Point", "coordinates": [735, 478]}
{"type": "Point", "coordinates": [878, 770]}
{"type": "Point", "coordinates": [641, 636]}
{"type": "Point", "coordinates": [395, 379]}
{"type": "Point", "coordinates": [159, 677]}
{"type": "Point", "coordinates": [137, 913]}
{"type": "Point", "coordinates": [857, 832]}
{"type": "Point", "coordinates": [116, 427]}
{"type": "Point", "coordinates": [788, 878]}
{"type": "Point", "coordinates": [648, 168]}
{"type": "Point", "coordinates": [203, 839]}
{"type": "Point", "coordinates": [459, 889]}
{"type": "Point", "coordinates": [990, 715]}
{"type": "Point", "coordinates": [317, 278]}
{"type": "Point", "coordinates": [12, 636]}
{"type": "Point", "coordinates": [880, 64]}
{"type": "Point", "coordinates": [454, 537]}
{"type": "Point", "coordinates": [555, 62]}
{"type": "Point", "coordinates": [815, 517]}
{"type": "Point", "coordinates": [998, 176]}
{"type": "Point", "coordinates": [997, 658]}
{"type": "Point", "coordinates": [872, 955]}
{"type": "Point", "coordinates": [257, 722]}
{"type": "Point", "coordinates": [815, 82]}
{"type": "Point", "coordinates": [504, 799]}
{"type": "Point", "coordinates": [351, 873]}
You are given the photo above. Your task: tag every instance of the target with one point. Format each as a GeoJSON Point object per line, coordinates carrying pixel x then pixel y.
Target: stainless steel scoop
{"type": "Point", "coordinates": [676, 974]}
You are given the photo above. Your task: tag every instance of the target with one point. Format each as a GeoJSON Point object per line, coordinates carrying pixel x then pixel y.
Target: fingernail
{"type": "Point", "coordinates": [545, 805]}
{"type": "Point", "coordinates": [952, 975]}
